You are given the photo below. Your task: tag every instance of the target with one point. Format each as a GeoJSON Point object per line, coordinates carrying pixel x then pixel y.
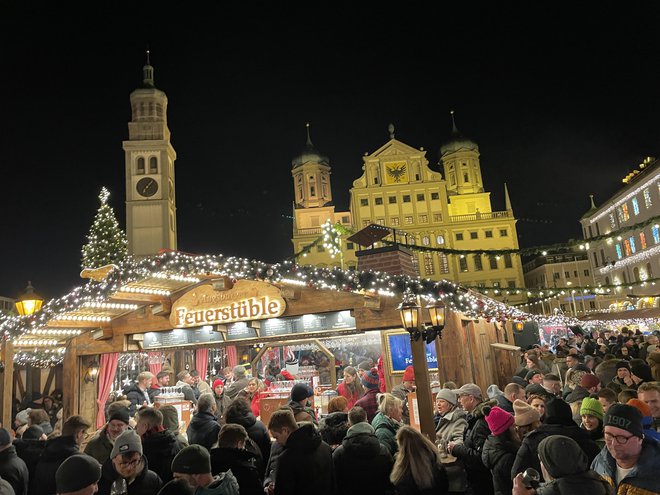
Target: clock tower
{"type": "Point", "coordinates": [149, 157]}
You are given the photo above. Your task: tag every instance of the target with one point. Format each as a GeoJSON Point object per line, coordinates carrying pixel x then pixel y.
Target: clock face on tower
{"type": "Point", "coordinates": [147, 187]}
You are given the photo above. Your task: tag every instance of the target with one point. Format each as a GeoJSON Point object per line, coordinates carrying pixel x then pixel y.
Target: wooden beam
{"type": "Point", "coordinates": [18, 383]}
{"type": "Point", "coordinates": [71, 380]}
{"type": "Point", "coordinates": [49, 380]}
{"type": "Point", "coordinates": [6, 383]}
{"type": "Point", "coordinates": [140, 298]}
{"type": "Point", "coordinates": [91, 325]}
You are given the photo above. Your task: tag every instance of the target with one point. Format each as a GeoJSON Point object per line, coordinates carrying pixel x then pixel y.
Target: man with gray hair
{"type": "Point", "coordinates": [204, 428]}
{"type": "Point", "coordinates": [239, 383]}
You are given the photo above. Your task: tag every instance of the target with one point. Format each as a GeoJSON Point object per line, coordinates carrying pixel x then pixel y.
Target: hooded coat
{"type": "Point", "coordinates": [305, 464]}
{"type": "Point", "coordinates": [386, 429]}
{"type": "Point", "coordinates": [137, 398]}
{"type": "Point", "coordinates": [14, 470]}
{"type": "Point", "coordinates": [257, 432]}
{"type": "Point", "coordinates": [243, 466]}
{"type": "Point", "coordinates": [56, 451]}
{"type": "Point", "coordinates": [203, 429]}
{"type": "Point", "coordinates": [222, 484]}
{"type": "Point", "coordinates": [145, 483]}
{"type": "Point", "coordinates": [160, 448]}
{"type": "Point", "coordinates": [30, 451]}
{"type": "Point", "coordinates": [469, 452]}
{"type": "Point", "coordinates": [644, 476]}
{"type": "Point", "coordinates": [451, 427]}
{"type": "Point", "coordinates": [361, 452]}
{"type": "Point", "coordinates": [498, 455]}
{"type": "Point", "coordinates": [333, 428]}
{"type": "Point", "coordinates": [100, 446]}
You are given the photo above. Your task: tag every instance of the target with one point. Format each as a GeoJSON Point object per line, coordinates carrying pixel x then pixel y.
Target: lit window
{"type": "Point", "coordinates": [635, 205]}
{"type": "Point", "coordinates": [423, 218]}
{"type": "Point", "coordinates": [440, 240]}
{"type": "Point", "coordinates": [444, 263]}
{"type": "Point", "coordinates": [365, 222]}
{"type": "Point", "coordinates": [478, 265]}
{"type": "Point", "coordinates": [426, 240]}
{"type": "Point", "coordinates": [380, 221]}
{"type": "Point", "coordinates": [612, 221]}
{"type": "Point", "coordinates": [656, 234]}
{"type": "Point", "coordinates": [463, 264]}
{"type": "Point", "coordinates": [619, 254]}
{"type": "Point", "coordinates": [627, 247]}
{"type": "Point", "coordinates": [394, 220]}
{"type": "Point", "coordinates": [632, 244]}
{"type": "Point", "coordinates": [408, 219]}
{"type": "Point", "coordinates": [429, 268]}
{"type": "Point", "coordinates": [647, 198]}
{"type": "Point", "coordinates": [642, 240]}
{"type": "Point", "coordinates": [437, 217]}
{"type": "Point", "coordinates": [624, 212]}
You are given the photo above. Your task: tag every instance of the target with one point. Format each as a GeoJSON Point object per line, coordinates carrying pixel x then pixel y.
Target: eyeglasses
{"type": "Point", "coordinates": [130, 463]}
{"type": "Point", "coordinates": [620, 439]}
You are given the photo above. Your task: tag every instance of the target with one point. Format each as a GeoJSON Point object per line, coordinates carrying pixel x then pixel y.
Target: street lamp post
{"type": "Point", "coordinates": [420, 335]}
{"type": "Point", "coordinates": [29, 302]}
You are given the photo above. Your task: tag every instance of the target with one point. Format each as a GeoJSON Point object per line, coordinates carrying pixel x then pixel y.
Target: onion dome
{"type": "Point", "coordinates": [309, 154]}
{"type": "Point", "coordinates": [457, 142]}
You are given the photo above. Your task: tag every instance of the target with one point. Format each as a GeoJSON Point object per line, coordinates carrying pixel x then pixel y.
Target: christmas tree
{"type": "Point", "coordinates": [107, 243]}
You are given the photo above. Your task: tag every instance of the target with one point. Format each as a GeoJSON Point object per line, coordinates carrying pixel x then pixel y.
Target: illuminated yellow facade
{"type": "Point", "coordinates": [398, 189]}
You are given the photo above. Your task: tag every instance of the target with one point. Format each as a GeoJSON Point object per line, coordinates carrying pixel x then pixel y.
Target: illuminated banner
{"type": "Point", "coordinates": [247, 300]}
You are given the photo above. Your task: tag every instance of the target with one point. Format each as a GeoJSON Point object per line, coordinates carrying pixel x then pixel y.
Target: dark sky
{"type": "Point", "coordinates": [559, 112]}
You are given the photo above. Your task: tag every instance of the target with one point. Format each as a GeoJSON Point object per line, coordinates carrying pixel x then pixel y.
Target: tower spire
{"type": "Point", "coordinates": [591, 198]}
{"type": "Point", "coordinates": [454, 129]}
{"type": "Point", "coordinates": [309, 139]}
{"type": "Point", "coordinates": [507, 200]}
{"type": "Point", "coordinates": [148, 73]}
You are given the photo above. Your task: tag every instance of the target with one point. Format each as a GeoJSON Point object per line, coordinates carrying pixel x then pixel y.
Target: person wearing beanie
{"type": "Point", "coordinates": [647, 420]}
{"type": "Point", "coordinates": [301, 401]}
{"type": "Point", "coordinates": [177, 487]}
{"type": "Point", "coordinates": [640, 373]}
{"type": "Point", "coordinates": [591, 415]}
{"type": "Point", "coordinates": [127, 462]}
{"type": "Point", "coordinates": [369, 401]}
{"type": "Point", "coordinates": [499, 450]}
{"type": "Point", "coordinates": [239, 382]}
{"type": "Point", "coordinates": [78, 475]}
{"type": "Point", "coordinates": [630, 463]}
{"type": "Point", "coordinates": [402, 390]}
{"type": "Point", "coordinates": [589, 384]}
{"type": "Point", "coordinates": [450, 425]}
{"type": "Point", "coordinates": [193, 464]}
{"type": "Point", "coordinates": [469, 451]}
{"type": "Point", "coordinates": [566, 470]}
{"type": "Point", "coordinates": [558, 421]}
{"type": "Point", "coordinates": [100, 446]}
{"type": "Point", "coordinates": [526, 417]}
{"type": "Point", "coordinates": [12, 468]}
{"type": "Point", "coordinates": [222, 400]}
{"type": "Point", "coordinates": [534, 376]}
{"type": "Point", "coordinates": [624, 375]}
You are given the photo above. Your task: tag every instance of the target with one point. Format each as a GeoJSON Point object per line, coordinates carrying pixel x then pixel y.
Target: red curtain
{"type": "Point", "coordinates": [106, 377]}
{"type": "Point", "coordinates": [232, 358]}
{"type": "Point", "coordinates": [202, 362]}
{"type": "Point", "coordinates": [155, 364]}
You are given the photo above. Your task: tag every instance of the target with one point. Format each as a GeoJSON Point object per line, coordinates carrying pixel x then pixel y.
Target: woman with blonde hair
{"type": "Point", "coordinates": [350, 388]}
{"type": "Point", "coordinates": [417, 469]}
{"type": "Point", "coordinates": [388, 420]}
{"type": "Point", "coordinates": [252, 394]}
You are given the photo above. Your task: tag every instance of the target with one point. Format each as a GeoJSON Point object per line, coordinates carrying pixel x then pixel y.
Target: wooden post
{"type": "Point", "coordinates": [71, 381]}
{"type": "Point", "coordinates": [6, 383]}
{"type": "Point", "coordinates": [423, 386]}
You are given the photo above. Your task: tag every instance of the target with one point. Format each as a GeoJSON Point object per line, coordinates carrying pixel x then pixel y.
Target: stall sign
{"type": "Point", "coordinates": [321, 322]}
{"type": "Point", "coordinates": [400, 352]}
{"type": "Point", "coordinates": [247, 300]}
{"type": "Point", "coordinates": [178, 337]}
{"type": "Point", "coordinates": [239, 331]}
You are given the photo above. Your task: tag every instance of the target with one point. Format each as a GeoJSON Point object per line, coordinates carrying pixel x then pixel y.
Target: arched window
{"type": "Point", "coordinates": [649, 271]}
{"type": "Point", "coordinates": [153, 165]}
{"type": "Point", "coordinates": [607, 280]}
{"type": "Point", "coordinates": [636, 274]}
{"type": "Point", "coordinates": [140, 166]}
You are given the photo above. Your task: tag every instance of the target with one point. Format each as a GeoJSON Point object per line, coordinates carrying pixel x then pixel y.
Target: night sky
{"type": "Point", "coordinates": [559, 112]}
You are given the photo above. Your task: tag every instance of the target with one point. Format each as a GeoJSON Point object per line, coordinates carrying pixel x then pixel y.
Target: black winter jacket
{"type": "Point", "coordinates": [160, 449]}
{"type": "Point", "coordinates": [257, 431]}
{"type": "Point", "coordinates": [243, 466]}
{"type": "Point", "coordinates": [333, 427]}
{"type": "Point", "coordinates": [588, 482]}
{"type": "Point", "coordinates": [362, 463]}
{"type": "Point", "coordinates": [30, 451]}
{"type": "Point", "coordinates": [146, 483]}
{"type": "Point", "coordinates": [528, 453]}
{"type": "Point", "coordinates": [14, 471]}
{"type": "Point", "coordinates": [203, 430]}
{"type": "Point", "coordinates": [55, 452]}
{"type": "Point", "coordinates": [498, 455]}
{"type": "Point", "coordinates": [407, 485]}
{"type": "Point", "coordinates": [136, 396]}
{"type": "Point", "coordinates": [306, 462]}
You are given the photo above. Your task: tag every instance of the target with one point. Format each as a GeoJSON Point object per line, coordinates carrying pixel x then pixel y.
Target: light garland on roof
{"type": "Point", "coordinates": [145, 290]}
{"type": "Point", "coordinates": [635, 258]}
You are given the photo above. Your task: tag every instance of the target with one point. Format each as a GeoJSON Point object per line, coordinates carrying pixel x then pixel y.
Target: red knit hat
{"type": "Point", "coordinates": [409, 374]}
{"type": "Point", "coordinates": [498, 419]}
{"type": "Point", "coordinates": [588, 381]}
{"type": "Point", "coordinates": [218, 382]}
{"type": "Point", "coordinates": [642, 406]}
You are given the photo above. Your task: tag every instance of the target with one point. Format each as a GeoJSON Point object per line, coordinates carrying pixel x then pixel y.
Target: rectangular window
{"type": "Point", "coordinates": [503, 233]}
{"type": "Point", "coordinates": [435, 196]}
{"type": "Point", "coordinates": [511, 284]}
{"type": "Point", "coordinates": [556, 276]}
{"type": "Point", "coordinates": [462, 262]}
{"type": "Point", "coordinates": [612, 221]}
{"type": "Point", "coordinates": [391, 200]}
{"type": "Point", "coordinates": [474, 235]}
{"type": "Point", "coordinates": [493, 262]}
{"type": "Point", "coordinates": [444, 263]}
{"type": "Point", "coordinates": [590, 232]}
{"type": "Point", "coordinates": [619, 254]}
{"type": "Point", "coordinates": [627, 247]}
{"type": "Point", "coordinates": [602, 258]}
{"type": "Point", "coordinates": [575, 273]}
{"type": "Point", "coordinates": [586, 273]}
{"type": "Point", "coordinates": [366, 222]}
{"type": "Point", "coordinates": [624, 212]}
{"type": "Point", "coordinates": [459, 236]}
{"type": "Point", "coordinates": [635, 206]}
{"type": "Point", "coordinates": [488, 234]}
{"type": "Point", "coordinates": [632, 244]}
{"type": "Point", "coordinates": [350, 246]}
{"type": "Point", "coordinates": [508, 262]}
{"type": "Point", "coordinates": [642, 240]}
{"type": "Point", "coordinates": [423, 219]}
{"type": "Point", "coordinates": [408, 219]}
{"type": "Point", "coordinates": [429, 268]}
{"type": "Point", "coordinates": [496, 284]}
{"type": "Point", "coordinates": [380, 221]}
{"type": "Point", "coordinates": [647, 198]}
{"type": "Point", "coordinates": [567, 274]}
{"type": "Point", "coordinates": [415, 262]}
{"type": "Point", "coordinates": [395, 220]}
{"type": "Point", "coordinates": [595, 255]}
{"type": "Point", "coordinates": [364, 202]}
{"type": "Point", "coordinates": [597, 229]}
{"type": "Point", "coordinates": [345, 219]}
{"type": "Point", "coordinates": [656, 234]}
{"type": "Point", "coordinates": [420, 197]}
{"type": "Point", "coordinates": [437, 217]}
{"type": "Point", "coordinates": [378, 201]}
{"type": "Point", "coordinates": [406, 198]}
{"type": "Point", "coordinates": [478, 265]}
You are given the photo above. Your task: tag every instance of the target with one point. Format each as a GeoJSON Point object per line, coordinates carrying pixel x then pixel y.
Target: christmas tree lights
{"type": "Point", "coordinates": [106, 242]}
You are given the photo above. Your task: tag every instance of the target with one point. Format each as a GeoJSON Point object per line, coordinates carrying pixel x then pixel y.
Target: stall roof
{"type": "Point", "coordinates": [631, 314]}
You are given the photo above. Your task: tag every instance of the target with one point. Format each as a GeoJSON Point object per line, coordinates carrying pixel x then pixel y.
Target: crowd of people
{"type": "Point", "coordinates": [582, 418]}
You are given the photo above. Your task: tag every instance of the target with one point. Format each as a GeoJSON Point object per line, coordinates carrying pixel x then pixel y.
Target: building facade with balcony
{"type": "Point", "coordinates": [629, 258]}
{"type": "Point", "coordinates": [398, 189]}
